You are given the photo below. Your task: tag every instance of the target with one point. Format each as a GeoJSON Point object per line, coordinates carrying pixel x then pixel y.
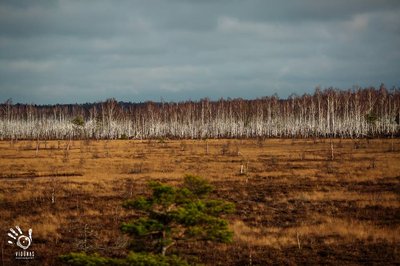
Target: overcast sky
{"type": "Point", "coordinates": [84, 51]}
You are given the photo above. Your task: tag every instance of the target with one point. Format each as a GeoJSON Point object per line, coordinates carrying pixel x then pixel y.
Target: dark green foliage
{"type": "Point", "coordinates": [133, 259]}
{"type": "Point", "coordinates": [142, 227]}
{"type": "Point", "coordinates": [81, 259]}
{"type": "Point", "coordinates": [124, 136]}
{"type": "Point", "coordinates": [168, 215]}
{"type": "Point", "coordinates": [78, 121]}
{"type": "Point", "coordinates": [198, 186]}
{"type": "Point", "coordinates": [371, 118]}
{"type": "Point", "coordinates": [140, 259]}
{"type": "Point", "coordinates": [178, 214]}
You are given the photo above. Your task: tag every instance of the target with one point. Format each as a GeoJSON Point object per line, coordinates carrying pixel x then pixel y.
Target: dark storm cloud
{"type": "Point", "coordinates": [77, 51]}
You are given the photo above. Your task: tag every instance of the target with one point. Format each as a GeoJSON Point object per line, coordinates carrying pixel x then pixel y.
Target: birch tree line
{"type": "Point", "coordinates": [363, 112]}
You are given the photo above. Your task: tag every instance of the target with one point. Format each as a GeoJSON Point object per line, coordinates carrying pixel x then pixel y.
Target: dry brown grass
{"type": "Point", "coordinates": [258, 236]}
{"type": "Point", "coordinates": [371, 199]}
{"type": "Point", "coordinates": [290, 190]}
{"type": "Point", "coordinates": [332, 230]}
{"type": "Point", "coordinates": [348, 230]}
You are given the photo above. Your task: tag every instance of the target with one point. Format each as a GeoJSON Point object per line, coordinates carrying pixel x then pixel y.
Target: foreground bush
{"type": "Point", "coordinates": [133, 259]}
{"type": "Point", "coordinates": [168, 216]}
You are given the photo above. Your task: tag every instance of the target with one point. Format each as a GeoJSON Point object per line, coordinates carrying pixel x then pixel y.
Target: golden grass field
{"type": "Point", "coordinates": [297, 201]}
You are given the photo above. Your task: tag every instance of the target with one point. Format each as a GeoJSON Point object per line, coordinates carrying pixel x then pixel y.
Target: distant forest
{"type": "Point", "coordinates": [363, 112]}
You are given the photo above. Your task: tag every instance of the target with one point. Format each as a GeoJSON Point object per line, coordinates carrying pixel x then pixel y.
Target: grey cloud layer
{"type": "Point", "coordinates": [77, 51]}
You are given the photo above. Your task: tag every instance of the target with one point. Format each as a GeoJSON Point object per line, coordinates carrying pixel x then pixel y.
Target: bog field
{"type": "Point", "coordinates": [298, 201]}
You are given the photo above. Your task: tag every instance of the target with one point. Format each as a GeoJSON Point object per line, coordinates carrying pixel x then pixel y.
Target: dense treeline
{"type": "Point", "coordinates": [326, 113]}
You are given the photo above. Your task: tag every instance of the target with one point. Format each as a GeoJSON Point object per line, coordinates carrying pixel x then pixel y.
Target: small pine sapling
{"type": "Point", "coordinates": [170, 214]}
{"type": "Point", "coordinates": [174, 214]}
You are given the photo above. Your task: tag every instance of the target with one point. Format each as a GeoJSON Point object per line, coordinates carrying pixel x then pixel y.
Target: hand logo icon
{"type": "Point", "coordinates": [22, 240]}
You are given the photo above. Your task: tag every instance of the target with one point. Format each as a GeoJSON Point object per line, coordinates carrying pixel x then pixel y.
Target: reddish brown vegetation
{"type": "Point", "coordinates": [295, 203]}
